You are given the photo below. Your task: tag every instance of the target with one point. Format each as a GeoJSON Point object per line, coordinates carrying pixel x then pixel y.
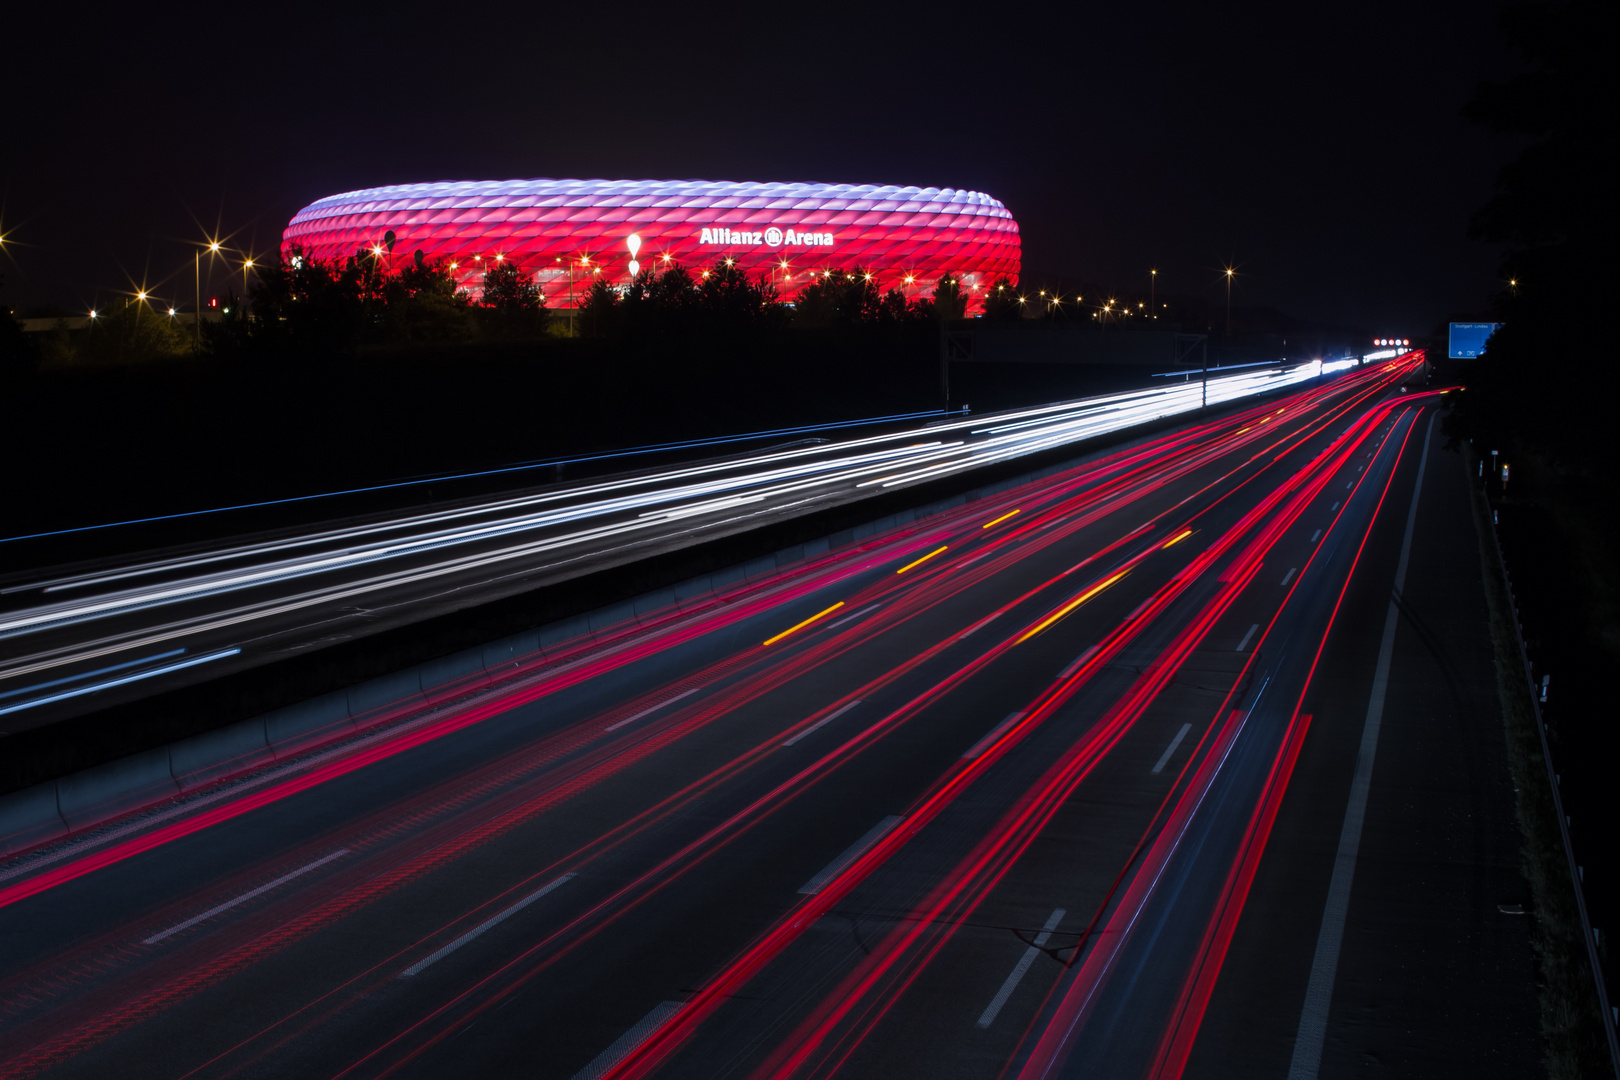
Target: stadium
{"type": "Point", "coordinates": [570, 232]}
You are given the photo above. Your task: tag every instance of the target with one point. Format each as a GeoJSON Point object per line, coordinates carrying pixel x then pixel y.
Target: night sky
{"type": "Point", "coordinates": [1319, 148]}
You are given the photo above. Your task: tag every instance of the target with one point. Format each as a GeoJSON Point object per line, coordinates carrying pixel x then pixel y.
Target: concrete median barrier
{"type": "Point", "coordinates": [296, 728]}
{"type": "Point", "coordinates": [205, 758]}
{"type": "Point", "coordinates": [115, 788]}
{"type": "Point", "coordinates": [30, 817]}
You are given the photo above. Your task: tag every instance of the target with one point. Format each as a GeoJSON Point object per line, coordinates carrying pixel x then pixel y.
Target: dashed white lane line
{"type": "Point", "coordinates": [1072, 668]}
{"type": "Point", "coordinates": [1315, 536]}
{"type": "Point", "coordinates": [995, 733]}
{"type": "Point", "coordinates": [1334, 507]}
{"type": "Point", "coordinates": [1244, 643]}
{"type": "Point", "coordinates": [853, 852]}
{"type": "Point", "coordinates": [1164, 759]}
{"type": "Point", "coordinates": [602, 1063]}
{"type": "Point", "coordinates": [244, 898]}
{"type": "Point", "coordinates": [649, 710]}
{"type": "Point", "coordinates": [1289, 576]}
{"type": "Point", "coordinates": [819, 724]}
{"type": "Point", "coordinates": [988, 1017]}
{"type": "Point", "coordinates": [493, 920]}
{"type": "Point", "coordinates": [867, 610]}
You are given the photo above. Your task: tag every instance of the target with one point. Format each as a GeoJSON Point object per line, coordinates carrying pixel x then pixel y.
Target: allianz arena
{"type": "Point", "coordinates": [569, 232]}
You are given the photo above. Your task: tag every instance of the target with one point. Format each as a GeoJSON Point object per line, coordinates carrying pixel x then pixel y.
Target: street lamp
{"type": "Point", "coordinates": [196, 266]}
{"type": "Point", "coordinates": [247, 264]}
{"type": "Point", "coordinates": [1153, 284]}
{"type": "Point", "coordinates": [1228, 301]}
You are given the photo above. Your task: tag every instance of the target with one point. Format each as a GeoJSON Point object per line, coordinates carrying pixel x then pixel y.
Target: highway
{"type": "Point", "coordinates": [78, 638]}
{"type": "Point", "coordinates": [981, 796]}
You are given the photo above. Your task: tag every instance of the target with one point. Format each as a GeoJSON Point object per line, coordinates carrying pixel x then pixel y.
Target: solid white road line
{"type": "Point", "coordinates": [988, 1017]}
{"type": "Point", "coordinates": [995, 733]}
{"type": "Point", "coordinates": [1246, 638]}
{"type": "Point", "coordinates": [1164, 759]}
{"type": "Point", "coordinates": [819, 724]}
{"type": "Point", "coordinates": [649, 710]}
{"type": "Point", "coordinates": [1315, 536]}
{"type": "Point", "coordinates": [1072, 668]}
{"type": "Point", "coordinates": [493, 920]}
{"type": "Point", "coordinates": [603, 1062]}
{"type": "Point", "coordinates": [244, 898]}
{"type": "Point", "coordinates": [1292, 570]}
{"type": "Point", "coordinates": [1307, 1059]}
{"type": "Point", "coordinates": [853, 852]}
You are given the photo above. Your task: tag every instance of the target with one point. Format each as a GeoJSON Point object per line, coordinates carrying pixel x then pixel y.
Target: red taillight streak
{"type": "Point", "coordinates": [1182, 1032]}
{"type": "Point", "coordinates": [1054, 1041]}
{"type": "Point", "coordinates": [302, 783]}
{"type": "Point", "coordinates": [675, 1032]}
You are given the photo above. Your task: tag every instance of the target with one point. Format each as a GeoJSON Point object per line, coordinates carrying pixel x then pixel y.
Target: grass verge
{"type": "Point", "coordinates": [1572, 1030]}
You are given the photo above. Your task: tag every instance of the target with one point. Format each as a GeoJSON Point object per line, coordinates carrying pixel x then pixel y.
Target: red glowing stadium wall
{"type": "Point", "coordinates": [567, 232]}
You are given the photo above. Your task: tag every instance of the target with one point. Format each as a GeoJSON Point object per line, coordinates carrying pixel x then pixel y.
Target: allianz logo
{"type": "Point", "coordinates": [772, 237]}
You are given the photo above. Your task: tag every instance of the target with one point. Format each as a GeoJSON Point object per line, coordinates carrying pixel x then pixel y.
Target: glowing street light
{"type": "Point", "coordinates": [1228, 301]}
{"type": "Point", "coordinates": [1153, 285]}
{"type": "Point", "coordinates": [196, 269]}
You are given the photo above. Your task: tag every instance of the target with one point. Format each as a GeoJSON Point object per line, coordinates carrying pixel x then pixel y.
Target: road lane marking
{"type": "Point", "coordinates": [649, 710]}
{"type": "Point", "coordinates": [1292, 570]}
{"type": "Point", "coordinates": [244, 898]}
{"type": "Point", "coordinates": [1072, 668]}
{"type": "Point", "coordinates": [1334, 507]}
{"type": "Point", "coordinates": [853, 852]}
{"type": "Point", "coordinates": [492, 921]}
{"type": "Point", "coordinates": [851, 618]}
{"type": "Point", "coordinates": [1164, 759]}
{"type": "Point", "coordinates": [1315, 536]}
{"type": "Point", "coordinates": [823, 721]}
{"type": "Point", "coordinates": [995, 733]}
{"type": "Point", "coordinates": [1246, 638]}
{"type": "Point", "coordinates": [603, 1063]}
{"type": "Point", "coordinates": [1307, 1059]}
{"type": "Point", "coordinates": [988, 1017]}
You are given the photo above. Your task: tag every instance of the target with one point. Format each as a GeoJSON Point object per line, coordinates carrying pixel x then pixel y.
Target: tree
{"type": "Point", "coordinates": [509, 291]}
{"type": "Point", "coordinates": [1001, 302]}
{"type": "Point", "coordinates": [132, 333]}
{"type": "Point", "coordinates": [839, 297]}
{"type": "Point", "coordinates": [598, 310]}
{"type": "Point", "coordinates": [19, 354]}
{"type": "Point", "coordinates": [726, 294]}
{"type": "Point", "coordinates": [1555, 214]}
{"type": "Point", "coordinates": [949, 303]}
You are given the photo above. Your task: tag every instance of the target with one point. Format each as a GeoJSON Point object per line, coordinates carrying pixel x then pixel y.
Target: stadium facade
{"type": "Point", "coordinates": [569, 232]}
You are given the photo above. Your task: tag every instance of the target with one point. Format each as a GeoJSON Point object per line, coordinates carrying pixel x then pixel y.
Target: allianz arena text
{"type": "Point", "coordinates": [568, 233]}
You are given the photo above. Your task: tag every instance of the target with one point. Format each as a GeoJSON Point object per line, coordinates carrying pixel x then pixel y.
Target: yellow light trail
{"type": "Point", "coordinates": [1070, 606]}
{"type": "Point", "coordinates": [807, 622]}
{"type": "Point", "coordinates": [925, 558]}
{"type": "Point", "coordinates": [1000, 519]}
{"type": "Point", "coordinates": [1176, 539]}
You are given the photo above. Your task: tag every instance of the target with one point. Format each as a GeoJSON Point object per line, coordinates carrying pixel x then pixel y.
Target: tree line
{"type": "Point", "coordinates": [315, 309]}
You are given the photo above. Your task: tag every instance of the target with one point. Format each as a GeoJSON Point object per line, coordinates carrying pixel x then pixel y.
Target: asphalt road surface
{"type": "Point", "coordinates": [985, 796]}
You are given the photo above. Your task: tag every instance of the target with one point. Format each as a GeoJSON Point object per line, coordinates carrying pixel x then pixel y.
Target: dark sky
{"type": "Point", "coordinates": [1317, 147]}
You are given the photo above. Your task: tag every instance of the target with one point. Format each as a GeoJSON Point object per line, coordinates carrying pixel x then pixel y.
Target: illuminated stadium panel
{"type": "Point", "coordinates": [569, 231]}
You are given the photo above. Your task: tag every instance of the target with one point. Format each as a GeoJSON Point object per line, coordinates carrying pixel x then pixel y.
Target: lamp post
{"type": "Point", "coordinates": [1153, 297]}
{"type": "Point", "coordinates": [1228, 301]}
{"type": "Point", "coordinates": [196, 265]}
{"type": "Point", "coordinates": [247, 265]}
